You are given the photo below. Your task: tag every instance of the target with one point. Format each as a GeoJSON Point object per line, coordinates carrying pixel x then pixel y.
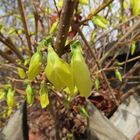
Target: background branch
{"type": "Point", "coordinates": [21, 10]}
{"type": "Point", "coordinates": [100, 8]}
{"type": "Point", "coordinates": [7, 41]}
{"type": "Point", "coordinates": [115, 46]}
{"type": "Point", "coordinates": [98, 65]}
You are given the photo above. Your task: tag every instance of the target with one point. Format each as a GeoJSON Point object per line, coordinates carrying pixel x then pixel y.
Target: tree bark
{"type": "Point", "coordinates": [64, 24]}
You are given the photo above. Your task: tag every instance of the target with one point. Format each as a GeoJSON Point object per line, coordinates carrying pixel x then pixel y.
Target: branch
{"type": "Point", "coordinates": [36, 18]}
{"type": "Point", "coordinates": [56, 6]}
{"type": "Point", "coordinates": [9, 44]}
{"type": "Point", "coordinates": [130, 72]}
{"type": "Point", "coordinates": [99, 67]}
{"type": "Point", "coordinates": [100, 8]}
{"type": "Point", "coordinates": [11, 60]}
{"type": "Point", "coordinates": [117, 27]}
{"type": "Point", "coordinates": [115, 46]}
{"type": "Point", "coordinates": [64, 24]}
{"type": "Point", "coordinates": [21, 10]}
{"type": "Point", "coordinates": [7, 57]}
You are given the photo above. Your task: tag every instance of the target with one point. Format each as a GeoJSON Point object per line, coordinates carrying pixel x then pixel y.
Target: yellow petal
{"type": "Point", "coordinates": [29, 94]}
{"type": "Point", "coordinates": [80, 71]}
{"type": "Point", "coordinates": [58, 72]}
{"type": "Point", "coordinates": [10, 98]}
{"type": "Point", "coordinates": [21, 73]}
{"type": "Point", "coordinates": [35, 65]}
{"type": "Point", "coordinates": [44, 100]}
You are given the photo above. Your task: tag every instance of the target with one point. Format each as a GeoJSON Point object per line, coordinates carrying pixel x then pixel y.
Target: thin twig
{"type": "Point", "coordinates": [56, 6]}
{"type": "Point", "coordinates": [136, 66]}
{"type": "Point", "coordinates": [117, 27]}
{"type": "Point", "coordinates": [11, 60]}
{"type": "Point", "coordinates": [22, 92]}
{"type": "Point", "coordinates": [98, 65]}
{"type": "Point", "coordinates": [15, 80]}
{"type": "Point", "coordinates": [7, 57]}
{"type": "Point", "coordinates": [21, 10]}
{"type": "Point", "coordinates": [114, 47]}
{"type": "Point", "coordinates": [100, 8]}
{"type": "Point", "coordinates": [36, 18]}
{"type": "Point", "coordinates": [7, 41]}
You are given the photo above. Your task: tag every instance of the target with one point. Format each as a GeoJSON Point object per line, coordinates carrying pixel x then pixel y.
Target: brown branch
{"type": "Point", "coordinates": [21, 39]}
{"type": "Point", "coordinates": [100, 8]}
{"type": "Point", "coordinates": [9, 44]}
{"type": "Point", "coordinates": [92, 52]}
{"type": "Point", "coordinates": [11, 60]}
{"type": "Point", "coordinates": [56, 6]}
{"type": "Point", "coordinates": [64, 24]}
{"type": "Point", "coordinates": [115, 46]}
{"type": "Point", "coordinates": [132, 70]}
{"type": "Point", "coordinates": [36, 18]}
{"type": "Point", "coordinates": [21, 10]}
{"type": "Point", "coordinates": [99, 67]}
{"type": "Point", "coordinates": [7, 57]}
{"type": "Point", "coordinates": [117, 27]}
{"type": "Point", "coordinates": [22, 92]}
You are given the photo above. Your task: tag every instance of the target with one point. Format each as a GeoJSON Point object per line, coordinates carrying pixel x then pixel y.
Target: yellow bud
{"type": "Point", "coordinates": [97, 83]}
{"type": "Point", "coordinates": [29, 94]}
{"type": "Point", "coordinates": [35, 65]}
{"type": "Point", "coordinates": [10, 98]}
{"type": "Point", "coordinates": [21, 73]}
{"type": "Point", "coordinates": [58, 72]}
{"type": "Point", "coordinates": [44, 100]}
{"type": "Point", "coordinates": [81, 74]}
{"type": "Point", "coordinates": [118, 75]}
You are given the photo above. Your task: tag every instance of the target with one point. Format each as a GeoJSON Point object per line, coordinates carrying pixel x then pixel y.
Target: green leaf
{"type": "Point", "coordinates": [29, 94]}
{"type": "Point", "coordinates": [45, 42]}
{"type": "Point", "coordinates": [58, 72]}
{"type": "Point", "coordinates": [35, 65]}
{"type": "Point", "coordinates": [21, 73]}
{"type": "Point", "coordinates": [11, 31]}
{"type": "Point", "coordinates": [84, 2]}
{"type": "Point", "coordinates": [84, 112]}
{"type": "Point", "coordinates": [97, 83]}
{"type": "Point", "coordinates": [118, 75]}
{"type": "Point", "coordinates": [20, 31]}
{"type": "Point", "coordinates": [53, 28]}
{"type": "Point", "coordinates": [94, 33]}
{"type": "Point", "coordinates": [26, 61]}
{"type": "Point", "coordinates": [100, 21]}
{"type": "Point", "coordinates": [10, 98]}
{"type": "Point", "coordinates": [133, 48]}
{"type": "Point", "coordinates": [80, 71]}
{"type": "Point", "coordinates": [44, 100]}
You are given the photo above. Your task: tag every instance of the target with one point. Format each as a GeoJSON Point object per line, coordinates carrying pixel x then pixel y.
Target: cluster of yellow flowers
{"type": "Point", "coordinates": [71, 77]}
